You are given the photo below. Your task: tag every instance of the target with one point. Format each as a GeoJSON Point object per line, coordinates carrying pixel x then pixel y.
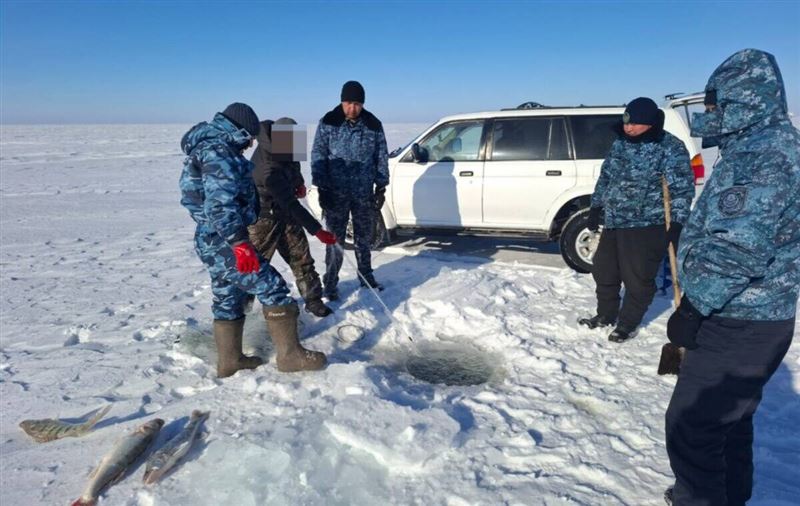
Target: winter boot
{"type": "Point", "coordinates": [621, 334]}
{"type": "Point", "coordinates": [291, 357]}
{"type": "Point", "coordinates": [369, 280]}
{"type": "Point", "coordinates": [331, 294]}
{"type": "Point", "coordinates": [318, 308]}
{"type": "Point", "coordinates": [228, 336]}
{"type": "Point", "coordinates": [596, 321]}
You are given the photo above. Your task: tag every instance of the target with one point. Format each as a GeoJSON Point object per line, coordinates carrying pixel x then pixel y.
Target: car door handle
{"type": "Point", "coordinates": [466, 173]}
{"type": "Point", "coordinates": [553, 173]}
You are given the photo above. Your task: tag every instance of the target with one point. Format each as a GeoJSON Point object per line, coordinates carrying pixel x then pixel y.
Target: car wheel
{"type": "Point", "coordinates": [577, 243]}
{"type": "Point", "coordinates": [380, 236]}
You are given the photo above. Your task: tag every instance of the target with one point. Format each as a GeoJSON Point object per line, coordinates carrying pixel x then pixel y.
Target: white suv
{"type": "Point", "coordinates": [529, 170]}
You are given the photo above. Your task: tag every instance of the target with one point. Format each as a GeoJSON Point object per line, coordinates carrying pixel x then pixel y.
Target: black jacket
{"type": "Point", "coordinates": [277, 182]}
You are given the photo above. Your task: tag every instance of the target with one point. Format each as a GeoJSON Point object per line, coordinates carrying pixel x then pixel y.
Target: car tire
{"type": "Point", "coordinates": [577, 243]}
{"type": "Point", "coordinates": [380, 236]}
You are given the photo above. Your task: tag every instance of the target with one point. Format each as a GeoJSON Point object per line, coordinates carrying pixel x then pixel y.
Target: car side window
{"type": "Point", "coordinates": [559, 150]}
{"type": "Point", "coordinates": [457, 141]}
{"type": "Point", "coordinates": [593, 135]}
{"type": "Point", "coordinates": [529, 139]}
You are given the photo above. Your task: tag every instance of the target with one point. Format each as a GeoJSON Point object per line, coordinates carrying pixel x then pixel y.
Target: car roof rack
{"type": "Point", "coordinates": [677, 96]}
{"type": "Point", "coordinates": [530, 105]}
{"type": "Point", "coordinates": [537, 105]}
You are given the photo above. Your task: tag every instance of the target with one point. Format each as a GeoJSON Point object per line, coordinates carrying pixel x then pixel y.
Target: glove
{"type": "Point", "coordinates": [300, 191]}
{"type": "Point", "coordinates": [380, 197]}
{"type": "Point", "coordinates": [246, 258]}
{"type": "Point", "coordinates": [673, 234]}
{"type": "Point", "coordinates": [593, 223]}
{"type": "Point", "coordinates": [325, 237]}
{"type": "Point", "coordinates": [325, 199]}
{"type": "Point", "coordinates": [683, 325]}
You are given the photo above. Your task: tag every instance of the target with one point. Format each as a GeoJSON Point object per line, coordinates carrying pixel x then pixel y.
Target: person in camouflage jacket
{"type": "Point", "coordinates": [217, 189]}
{"type": "Point", "coordinates": [282, 219]}
{"type": "Point", "coordinates": [349, 166]}
{"type": "Point", "coordinates": [739, 261]}
{"type": "Point", "coordinates": [629, 194]}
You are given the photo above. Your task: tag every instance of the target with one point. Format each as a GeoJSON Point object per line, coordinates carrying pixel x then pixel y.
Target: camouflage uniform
{"type": "Point", "coordinates": [218, 191]}
{"type": "Point", "coordinates": [282, 219]}
{"type": "Point", "coordinates": [349, 161]}
{"type": "Point", "coordinates": [739, 260]}
{"type": "Point", "coordinates": [633, 242]}
{"type": "Point", "coordinates": [629, 186]}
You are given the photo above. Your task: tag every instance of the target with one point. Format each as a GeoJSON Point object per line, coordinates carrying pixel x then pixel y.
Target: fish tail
{"type": "Point", "coordinates": [150, 477]}
{"type": "Point", "coordinates": [84, 502]}
{"type": "Point", "coordinates": [199, 415]}
{"type": "Point", "coordinates": [94, 419]}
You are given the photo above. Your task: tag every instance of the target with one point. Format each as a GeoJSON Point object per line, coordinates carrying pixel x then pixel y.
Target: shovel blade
{"type": "Point", "coordinates": [671, 357]}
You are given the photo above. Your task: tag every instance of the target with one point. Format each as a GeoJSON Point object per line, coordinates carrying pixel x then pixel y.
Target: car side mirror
{"type": "Point", "coordinates": [420, 154]}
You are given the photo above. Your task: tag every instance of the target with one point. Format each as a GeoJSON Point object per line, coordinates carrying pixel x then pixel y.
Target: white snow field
{"type": "Point", "coordinates": [104, 301]}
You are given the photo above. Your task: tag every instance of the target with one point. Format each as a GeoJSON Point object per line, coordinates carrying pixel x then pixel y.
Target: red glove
{"type": "Point", "coordinates": [246, 258]}
{"type": "Point", "coordinates": [300, 191]}
{"type": "Point", "coordinates": [326, 237]}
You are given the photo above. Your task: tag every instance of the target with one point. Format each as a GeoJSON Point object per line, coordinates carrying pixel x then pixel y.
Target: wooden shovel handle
{"type": "Point", "coordinates": [671, 355]}
{"type": "Point", "coordinates": [673, 261]}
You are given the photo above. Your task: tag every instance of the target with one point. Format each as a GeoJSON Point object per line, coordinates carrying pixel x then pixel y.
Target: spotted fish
{"type": "Point", "coordinates": [173, 450]}
{"type": "Point", "coordinates": [51, 429]}
{"type": "Point", "coordinates": [115, 463]}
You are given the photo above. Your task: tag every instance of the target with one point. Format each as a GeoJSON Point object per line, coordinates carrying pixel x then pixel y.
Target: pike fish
{"type": "Point", "coordinates": [173, 450]}
{"type": "Point", "coordinates": [115, 463]}
{"type": "Point", "coordinates": [51, 429]}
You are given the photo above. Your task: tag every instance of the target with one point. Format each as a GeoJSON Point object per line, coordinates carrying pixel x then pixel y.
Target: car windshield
{"type": "Point", "coordinates": [399, 150]}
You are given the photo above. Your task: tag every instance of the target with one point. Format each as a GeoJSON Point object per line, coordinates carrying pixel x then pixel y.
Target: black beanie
{"type": "Point", "coordinates": [243, 116]}
{"type": "Point", "coordinates": [352, 91]}
{"type": "Point", "coordinates": [641, 111]}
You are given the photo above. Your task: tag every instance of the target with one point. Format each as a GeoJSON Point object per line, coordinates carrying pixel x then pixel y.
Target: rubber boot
{"type": "Point", "coordinates": [228, 336]}
{"type": "Point", "coordinates": [318, 308]}
{"type": "Point", "coordinates": [369, 280]}
{"type": "Point", "coordinates": [622, 334]}
{"type": "Point", "coordinates": [291, 357]}
{"type": "Point", "coordinates": [597, 321]}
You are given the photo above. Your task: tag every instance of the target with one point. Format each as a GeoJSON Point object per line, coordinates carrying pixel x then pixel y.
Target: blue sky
{"type": "Point", "coordinates": [179, 61]}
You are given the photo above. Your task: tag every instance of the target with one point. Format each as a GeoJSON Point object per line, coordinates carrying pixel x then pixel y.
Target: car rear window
{"type": "Point", "coordinates": [593, 135]}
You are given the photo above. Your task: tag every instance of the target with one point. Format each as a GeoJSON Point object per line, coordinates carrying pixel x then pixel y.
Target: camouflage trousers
{"type": "Point", "coordinates": [230, 288]}
{"type": "Point", "coordinates": [336, 219]}
{"type": "Point", "coordinates": [289, 239]}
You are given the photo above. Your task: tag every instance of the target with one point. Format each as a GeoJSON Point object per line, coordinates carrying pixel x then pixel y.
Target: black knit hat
{"type": "Point", "coordinates": [641, 111]}
{"type": "Point", "coordinates": [243, 116]}
{"type": "Point", "coordinates": [352, 91]}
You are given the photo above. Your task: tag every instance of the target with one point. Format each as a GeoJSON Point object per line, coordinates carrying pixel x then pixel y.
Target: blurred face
{"type": "Point", "coordinates": [352, 110]}
{"type": "Point", "coordinates": [635, 129]}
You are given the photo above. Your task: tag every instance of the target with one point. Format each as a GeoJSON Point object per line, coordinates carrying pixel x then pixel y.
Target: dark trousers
{"type": "Point", "coordinates": [289, 239]}
{"type": "Point", "coordinates": [709, 422]}
{"type": "Point", "coordinates": [630, 257]}
{"type": "Point", "coordinates": [336, 217]}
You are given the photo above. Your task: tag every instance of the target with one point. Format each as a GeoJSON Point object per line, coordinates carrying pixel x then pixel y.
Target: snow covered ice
{"type": "Point", "coordinates": [104, 300]}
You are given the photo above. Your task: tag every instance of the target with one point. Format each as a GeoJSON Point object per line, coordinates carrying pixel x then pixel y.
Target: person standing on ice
{"type": "Point", "coordinates": [282, 220]}
{"type": "Point", "coordinates": [349, 166]}
{"type": "Point", "coordinates": [217, 188]}
{"type": "Point", "coordinates": [629, 193]}
{"type": "Point", "coordinates": [740, 269]}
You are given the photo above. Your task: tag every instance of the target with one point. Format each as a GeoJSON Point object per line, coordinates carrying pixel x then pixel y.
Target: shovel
{"type": "Point", "coordinates": [671, 355]}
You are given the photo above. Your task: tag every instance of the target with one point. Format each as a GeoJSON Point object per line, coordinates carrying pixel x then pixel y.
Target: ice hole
{"type": "Point", "coordinates": [454, 365]}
